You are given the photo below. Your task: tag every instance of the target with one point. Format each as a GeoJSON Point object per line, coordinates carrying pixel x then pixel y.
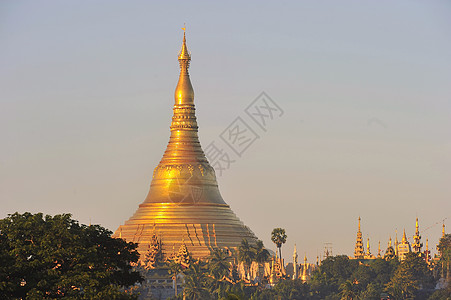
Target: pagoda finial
{"type": "Point", "coordinates": [404, 238]}
{"type": "Point", "coordinates": [443, 229]}
{"type": "Point", "coordinates": [184, 54]}
{"type": "Point", "coordinates": [184, 93]}
{"type": "Point", "coordinates": [359, 223]}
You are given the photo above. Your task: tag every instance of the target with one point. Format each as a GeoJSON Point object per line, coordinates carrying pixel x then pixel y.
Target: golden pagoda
{"type": "Point", "coordinates": [403, 247]}
{"type": "Point", "coordinates": [417, 245]}
{"type": "Point", "coordinates": [359, 253]}
{"type": "Point", "coordinates": [184, 205]}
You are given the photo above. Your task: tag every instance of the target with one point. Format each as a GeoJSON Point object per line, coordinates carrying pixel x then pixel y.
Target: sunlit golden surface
{"type": "Point", "coordinates": [184, 203]}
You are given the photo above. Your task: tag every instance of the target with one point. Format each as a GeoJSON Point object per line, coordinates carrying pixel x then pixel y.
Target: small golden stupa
{"type": "Point", "coordinates": [184, 205]}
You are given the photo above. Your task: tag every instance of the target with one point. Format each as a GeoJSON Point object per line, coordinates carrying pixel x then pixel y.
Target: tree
{"type": "Point", "coordinates": [291, 289]}
{"type": "Point", "coordinates": [246, 255]}
{"type": "Point", "coordinates": [410, 276]}
{"type": "Point", "coordinates": [333, 272]}
{"type": "Point", "coordinates": [279, 237]}
{"type": "Point", "coordinates": [261, 254]}
{"type": "Point", "coordinates": [175, 269]}
{"type": "Point", "coordinates": [195, 286]}
{"type": "Point", "coordinates": [219, 268]}
{"type": "Point", "coordinates": [218, 264]}
{"type": "Point", "coordinates": [348, 290]}
{"type": "Point", "coordinates": [56, 257]}
{"type": "Point", "coordinates": [444, 247]}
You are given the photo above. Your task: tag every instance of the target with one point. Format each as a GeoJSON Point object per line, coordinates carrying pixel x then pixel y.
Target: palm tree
{"type": "Point", "coordinates": [347, 290]}
{"type": "Point", "coordinates": [246, 255]}
{"type": "Point", "coordinates": [175, 269]}
{"type": "Point", "coordinates": [219, 269]}
{"type": "Point", "coordinates": [218, 264]}
{"type": "Point", "coordinates": [195, 286]}
{"type": "Point", "coordinates": [261, 254]}
{"type": "Point", "coordinates": [279, 237]}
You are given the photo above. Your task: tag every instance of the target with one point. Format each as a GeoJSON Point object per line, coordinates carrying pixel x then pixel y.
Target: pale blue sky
{"type": "Point", "coordinates": [86, 94]}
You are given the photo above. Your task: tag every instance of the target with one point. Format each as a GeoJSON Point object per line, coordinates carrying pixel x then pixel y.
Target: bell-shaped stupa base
{"type": "Point", "coordinates": [201, 227]}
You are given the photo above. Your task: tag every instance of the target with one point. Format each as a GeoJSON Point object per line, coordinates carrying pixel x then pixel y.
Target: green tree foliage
{"type": "Point", "coordinates": [246, 255]}
{"type": "Point", "coordinates": [443, 294]}
{"type": "Point", "coordinates": [444, 247]}
{"type": "Point", "coordinates": [261, 254]}
{"type": "Point", "coordinates": [410, 276]}
{"type": "Point", "coordinates": [218, 264]}
{"type": "Point", "coordinates": [56, 257]}
{"type": "Point", "coordinates": [196, 282]}
{"type": "Point", "coordinates": [340, 277]}
{"type": "Point", "coordinates": [174, 268]}
{"type": "Point", "coordinates": [348, 290]}
{"type": "Point", "coordinates": [279, 237]}
{"type": "Point", "coordinates": [219, 269]}
{"type": "Point", "coordinates": [291, 289]}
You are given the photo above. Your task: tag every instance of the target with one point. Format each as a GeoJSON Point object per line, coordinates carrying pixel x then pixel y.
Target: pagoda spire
{"type": "Point", "coordinates": [184, 174]}
{"type": "Point", "coordinates": [396, 242]}
{"type": "Point", "coordinates": [304, 276]}
{"type": "Point", "coordinates": [417, 245]}
{"type": "Point", "coordinates": [427, 252]}
{"type": "Point", "coordinates": [295, 263]}
{"type": "Point", "coordinates": [403, 247]}
{"type": "Point", "coordinates": [184, 93]}
{"type": "Point", "coordinates": [358, 250]}
{"type": "Point", "coordinates": [379, 250]}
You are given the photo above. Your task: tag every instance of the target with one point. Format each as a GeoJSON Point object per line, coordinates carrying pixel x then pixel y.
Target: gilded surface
{"type": "Point", "coordinates": [184, 202]}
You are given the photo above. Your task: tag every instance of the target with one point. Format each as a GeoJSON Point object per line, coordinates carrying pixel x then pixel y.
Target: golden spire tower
{"type": "Point", "coordinates": [403, 247]}
{"type": "Point", "coordinates": [184, 202]}
{"type": "Point", "coordinates": [368, 251]}
{"type": "Point", "coordinates": [304, 276]}
{"type": "Point", "coordinates": [417, 245]}
{"type": "Point", "coordinates": [358, 251]}
{"type": "Point", "coordinates": [295, 263]}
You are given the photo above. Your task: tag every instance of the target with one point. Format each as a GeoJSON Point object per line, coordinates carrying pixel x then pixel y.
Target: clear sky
{"type": "Point", "coordinates": [86, 94]}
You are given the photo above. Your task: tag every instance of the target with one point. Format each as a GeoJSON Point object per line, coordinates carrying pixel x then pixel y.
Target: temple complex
{"type": "Point", "coordinates": [184, 210]}
{"type": "Point", "coordinates": [399, 249]}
